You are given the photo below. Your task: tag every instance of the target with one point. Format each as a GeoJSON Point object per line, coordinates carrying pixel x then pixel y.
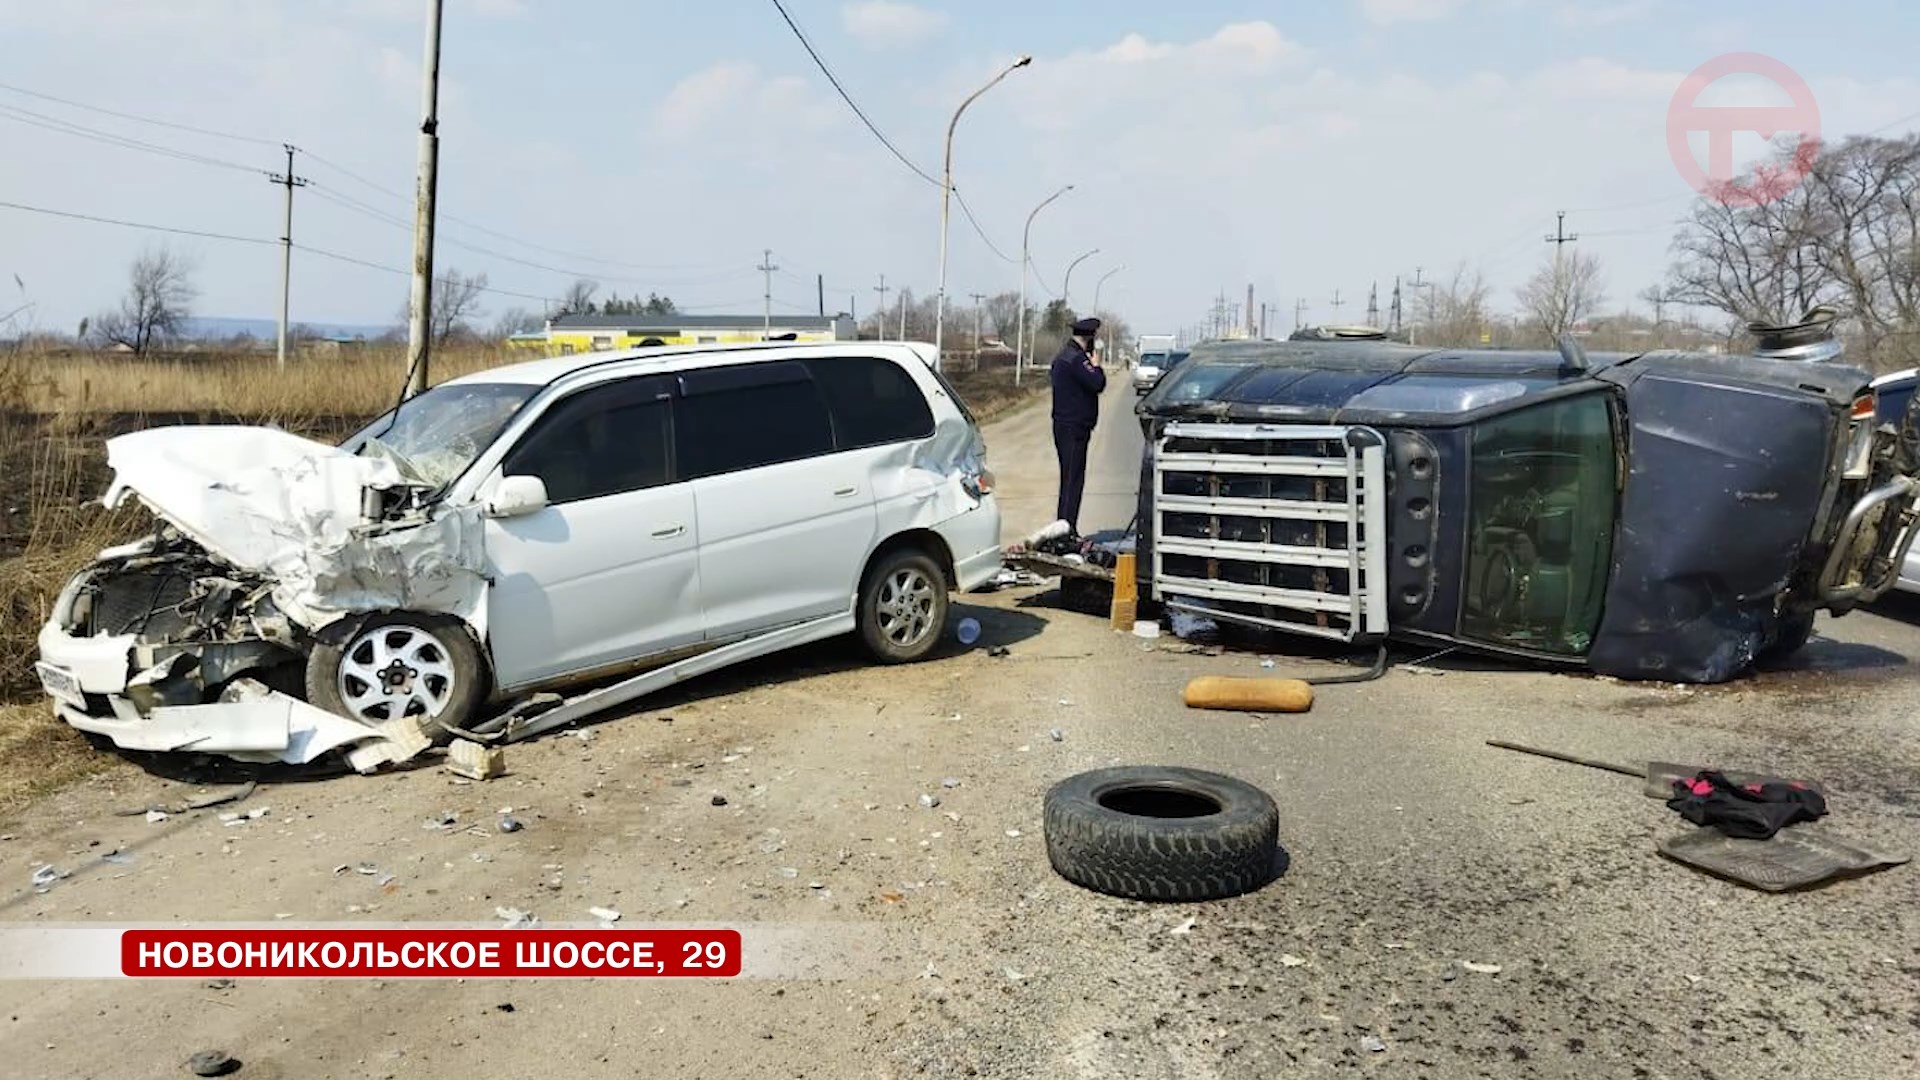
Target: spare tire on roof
{"type": "Point", "coordinates": [1162, 833]}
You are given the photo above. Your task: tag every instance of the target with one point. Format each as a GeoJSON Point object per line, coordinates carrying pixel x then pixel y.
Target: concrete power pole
{"type": "Point", "coordinates": [1373, 304]}
{"type": "Point", "coordinates": [1393, 320]}
{"type": "Point", "coordinates": [903, 314]}
{"type": "Point", "coordinates": [1249, 309]}
{"type": "Point", "coordinates": [766, 267]}
{"type": "Point", "coordinates": [1560, 239]}
{"type": "Point", "coordinates": [1299, 313]}
{"type": "Point", "coordinates": [820, 284]}
{"type": "Point", "coordinates": [289, 181]}
{"type": "Point", "coordinates": [978, 316]}
{"type": "Point", "coordinates": [420, 303]}
{"type": "Point", "coordinates": [880, 313]}
{"type": "Point", "coordinates": [1337, 305]}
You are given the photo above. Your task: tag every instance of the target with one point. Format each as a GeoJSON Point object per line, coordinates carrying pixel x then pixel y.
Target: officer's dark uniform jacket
{"type": "Point", "coordinates": [1077, 386]}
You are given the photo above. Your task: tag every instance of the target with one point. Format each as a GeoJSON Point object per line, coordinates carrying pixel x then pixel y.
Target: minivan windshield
{"type": "Point", "coordinates": [435, 435]}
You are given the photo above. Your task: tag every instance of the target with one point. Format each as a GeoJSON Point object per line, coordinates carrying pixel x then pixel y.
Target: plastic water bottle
{"type": "Point", "coordinates": [968, 631]}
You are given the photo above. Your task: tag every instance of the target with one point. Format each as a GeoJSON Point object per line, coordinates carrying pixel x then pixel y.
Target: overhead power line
{"type": "Point", "coordinates": [67, 127]}
{"type": "Point", "coordinates": [848, 98]}
{"type": "Point", "coordinates": [136, 224]}
{"type": "Point", "coordinates": [821, 63]}
{"type": "Point", "coordinates": [140, 119]}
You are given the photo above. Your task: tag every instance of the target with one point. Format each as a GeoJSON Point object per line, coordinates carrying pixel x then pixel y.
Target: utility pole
{"type": "Point", "coordinates": [1393, 320]}
{"type": "Point", "coordinates": [1373, 304]}
{"type": "Point", "coordinates": [903, 320]}
{"type": "Point", "coordinates": [880, 313]}
{"type": "Point", "coordinates": [766, 267]}
{"type": "Point", "coordinates": [1560, 239]}
{"type": "Point", "coordinates": [978, 313]}
{"type": "Point", "coordinates": [1337, 305]}
{"type": "Point", "coordinates": [420, 301]}
{"type": "Point", "coordinates": [820, 284]}
{"type": "Point", "coordinates": [289, 181]}
{"type": "Point", "coordinates": [1249, 309]}
{"type": "Point", "coordinates": [1299, 313]}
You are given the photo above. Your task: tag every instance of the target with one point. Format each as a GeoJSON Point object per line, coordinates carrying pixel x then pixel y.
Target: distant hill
{"type": "Point", "coordinates": [213, 328]}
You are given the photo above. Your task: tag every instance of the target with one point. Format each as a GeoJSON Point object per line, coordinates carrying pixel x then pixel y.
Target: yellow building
{"type": "Point", "coordinates": [568, 334]}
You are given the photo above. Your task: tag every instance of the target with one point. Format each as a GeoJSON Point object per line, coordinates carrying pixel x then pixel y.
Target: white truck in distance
{"type": "Point", "coordinates": [1151, 360]}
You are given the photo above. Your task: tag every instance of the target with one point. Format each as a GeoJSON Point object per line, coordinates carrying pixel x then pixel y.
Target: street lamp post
{"type": "Point", "coordinates": [1096, 303]}
{"type": "Point", "coordinates": [946, 195]}
{"type": "Point", "coordinates": [1026, 238]}
{"type": "Point", "coordinates": [1066, 286]}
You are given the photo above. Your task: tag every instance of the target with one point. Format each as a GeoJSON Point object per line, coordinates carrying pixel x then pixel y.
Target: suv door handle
{"type": "Point", "coordinates": [668, 532]}
{"type": "Point", "coordinates": [845, 492]}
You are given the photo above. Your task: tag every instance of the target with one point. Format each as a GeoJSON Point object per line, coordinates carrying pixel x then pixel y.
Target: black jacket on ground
{"type": "Point", "coordinates": [1077, 385]}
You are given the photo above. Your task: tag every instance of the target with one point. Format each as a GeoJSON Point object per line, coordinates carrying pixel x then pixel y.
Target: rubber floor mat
{"type": "Point", "coordinates": [1793, 859]}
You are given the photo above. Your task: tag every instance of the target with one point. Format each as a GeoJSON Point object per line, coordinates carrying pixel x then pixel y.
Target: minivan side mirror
{"type": "Point", "coordinates": [517, 496]}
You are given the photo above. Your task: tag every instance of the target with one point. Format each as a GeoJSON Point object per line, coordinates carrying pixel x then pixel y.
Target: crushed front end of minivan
{"type": "Point", "coordinates": [1664, 516]}
{"type": "Point", "coordinates": [196, 637]}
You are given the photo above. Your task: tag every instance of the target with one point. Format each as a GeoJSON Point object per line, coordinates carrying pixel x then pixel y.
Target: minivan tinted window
{"type": "Point", "coordinates": [605, 440]}
{"type": "Point", "coordinates": [748, 416]}
{"type": "Point", "coordinates": [872, 401]}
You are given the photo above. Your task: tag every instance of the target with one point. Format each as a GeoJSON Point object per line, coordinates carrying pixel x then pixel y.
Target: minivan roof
{"type": "Point", "coordinates": [554, 368]}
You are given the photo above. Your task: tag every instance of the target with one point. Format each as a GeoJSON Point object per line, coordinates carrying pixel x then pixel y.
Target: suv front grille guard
{"type": "Point", "coordinates": [1280, 526]}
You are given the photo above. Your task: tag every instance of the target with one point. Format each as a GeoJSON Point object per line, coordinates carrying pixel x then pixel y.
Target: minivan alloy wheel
{"type": "Point", "coordinates": [904, 603]}
{"type": "Point", "coordinates": [387, 672]}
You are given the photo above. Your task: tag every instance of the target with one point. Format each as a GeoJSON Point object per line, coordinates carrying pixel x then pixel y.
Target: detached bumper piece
{"type": "Point", "coordinates": [249, 723]}
{"type": "Point", "coordinates": [1281, 526]}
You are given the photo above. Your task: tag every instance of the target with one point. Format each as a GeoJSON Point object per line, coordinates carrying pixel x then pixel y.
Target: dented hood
{"type": "Point", "coordinates": [242, 492]}
{"type": "Point", "coordinates": [293, 511]}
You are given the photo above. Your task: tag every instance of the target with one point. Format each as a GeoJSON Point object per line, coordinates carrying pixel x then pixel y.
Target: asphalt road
{"type": "Point", "coordinates": [1413, 848]}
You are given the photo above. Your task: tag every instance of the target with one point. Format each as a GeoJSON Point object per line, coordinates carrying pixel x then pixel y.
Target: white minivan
{"type": "Point", "coordinates": [519, 529]}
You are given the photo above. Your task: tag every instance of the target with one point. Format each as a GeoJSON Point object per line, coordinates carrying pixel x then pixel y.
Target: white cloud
{"type": "Point", "coordinates": [881, 24]}
{"type": "Point", "coordinates": [750, 105]}
{"type": "Point", "coordinates": [1388, 12]}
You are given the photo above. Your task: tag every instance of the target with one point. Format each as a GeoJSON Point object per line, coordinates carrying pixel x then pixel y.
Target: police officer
{"type": "Point", "coordinates": [1077, 385]}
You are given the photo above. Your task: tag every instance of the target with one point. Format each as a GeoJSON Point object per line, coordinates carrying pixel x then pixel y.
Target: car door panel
{"type": "Point", "coordinates": [785, 521]}
{"type": "Point", "coordinates": [609, 571]}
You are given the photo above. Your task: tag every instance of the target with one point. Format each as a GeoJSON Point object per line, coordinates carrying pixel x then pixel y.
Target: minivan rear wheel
{"type": "Point", "coordinates": [903, 605]}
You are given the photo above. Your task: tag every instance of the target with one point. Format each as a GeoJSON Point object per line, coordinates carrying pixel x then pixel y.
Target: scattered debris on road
{"type": "Point", "coordinates": [929, 801]}
{"type": "Point", "coordinates": [1249, 695]}
{"type": "Point", "coordinates": [1185, 927]}
{"type": "Point", "coordinates": [476, 761]}
{"type": "Point", "coordinates": [1290, 960]}
{"type": "Point", "coordinates": [510, 824]}
{"type": "Point", "coordinates": [212, 1063]}
{"type": "Point", "coordinates": [1479, 968]}
{"type": "Point", "coordinates": [1373, 1044]}
{"type": "Point", "coordinates": [607, 916]}
{"type": "Point", "coordinates": [517, 919]}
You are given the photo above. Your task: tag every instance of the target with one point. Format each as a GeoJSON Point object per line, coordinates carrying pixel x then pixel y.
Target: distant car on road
{"type": "Point", "coordinates": [1153, 366]}
{"type": "Point", "coordinates": [1661, 516]}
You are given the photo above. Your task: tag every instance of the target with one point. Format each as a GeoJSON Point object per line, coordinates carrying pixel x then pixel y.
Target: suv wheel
{"type": "Point", "coordinates": [903, 605]}
{"type": "Point", "coordinates": [423, 668]}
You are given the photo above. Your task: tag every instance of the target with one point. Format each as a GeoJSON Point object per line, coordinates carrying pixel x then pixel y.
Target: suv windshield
{"type": "Point", "coordinates": [1540, 517]}
{"type": "Point", "coordinates": [1202, 382]}
{"type": "Point", "coordinates": [437, 434]}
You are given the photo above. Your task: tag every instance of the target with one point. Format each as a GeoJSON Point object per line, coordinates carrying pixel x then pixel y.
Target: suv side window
{"type": "Point", "coordinates": [604, 440]}
{"type": "Point", "coordinates": [747, 416]}
{"type": "Point", "coordinates": [873, 402]}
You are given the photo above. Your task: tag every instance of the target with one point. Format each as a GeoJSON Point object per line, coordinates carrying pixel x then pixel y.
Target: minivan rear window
{"type": "Point", "coordinates": [873, 401]}
{"type": "Point", "coordinates": [749, 416]}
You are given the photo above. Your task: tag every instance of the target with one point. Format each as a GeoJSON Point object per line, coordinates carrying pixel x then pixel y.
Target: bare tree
{"type": "Point", "coordinates": [516, 320]}
{"type": "Point", "coordinates": [160, 291]}
{"type": "Point", "coordinates": [1751, 262]}
{"type": "Point", "coordinates": [456, 302]}
{"type": "Point", "coordinates": [1455, 313]}
{"type": "Point", "coordinates": [1563, 292]}
{"type": "Point", "coordinates": [578, 299]}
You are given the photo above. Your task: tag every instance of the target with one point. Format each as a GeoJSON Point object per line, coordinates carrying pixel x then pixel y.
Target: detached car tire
{"type": "Point", "coordinates": [1791, 636]}
{"type": "Point", "coordinates": [425, 668]}
{"type": "Point", "coordinates": [903, 606]}
{"type": "Point", "coordinates": [1156, 833]}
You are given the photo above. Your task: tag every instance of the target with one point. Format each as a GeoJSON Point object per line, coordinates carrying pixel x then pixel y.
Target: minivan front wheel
{"type": "Point", "coordinates": [903, 605]}
{"type": "Point", "coordinates": [424, 669]}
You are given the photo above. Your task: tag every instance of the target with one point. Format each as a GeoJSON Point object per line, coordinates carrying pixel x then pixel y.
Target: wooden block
{"type": "Point", "coordinates": [1124, 614]}
{"type": "Point", "coordinates": [1126, 583]}
{"type": "Point", "coordinates": [475, 761]}
{"type": "Point", "coordinates": [1249, 695]}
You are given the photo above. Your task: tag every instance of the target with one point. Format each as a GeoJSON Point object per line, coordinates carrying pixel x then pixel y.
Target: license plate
{"type": "Point", "coordinates": [61, 683]}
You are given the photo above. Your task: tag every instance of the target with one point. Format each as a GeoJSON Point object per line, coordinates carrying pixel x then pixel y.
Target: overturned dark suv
{"type": "Point", "coordinates": [1671, 516]}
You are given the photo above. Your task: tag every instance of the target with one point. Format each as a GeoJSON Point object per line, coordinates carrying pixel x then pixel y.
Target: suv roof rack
{"type": "Point", "coordinates": [1339, 333]}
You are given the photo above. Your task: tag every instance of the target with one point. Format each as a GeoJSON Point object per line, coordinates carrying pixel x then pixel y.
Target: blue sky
{"type": "Point", "coordinates": [1301, 148]}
